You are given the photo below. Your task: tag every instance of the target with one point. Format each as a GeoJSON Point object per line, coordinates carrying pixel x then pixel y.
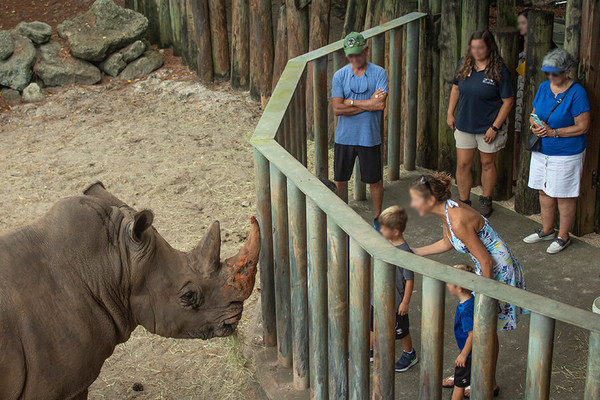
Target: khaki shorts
{"type": "Point", "coordinates": [466, 140]}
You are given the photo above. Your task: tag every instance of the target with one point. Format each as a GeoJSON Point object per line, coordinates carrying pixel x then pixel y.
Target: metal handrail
{"type": "Point", "coordinates": [358, 229]}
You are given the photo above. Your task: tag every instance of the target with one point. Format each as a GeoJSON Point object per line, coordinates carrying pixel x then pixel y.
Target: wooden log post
{"type": "Point", "coordinates": [189, 46]}
{"type": "Point", "coordinates": [429, 86]}
{"type": "Point", "coordinates": [281, 50]}
{"type": "Point", "coordinates": [320, 11]}
{"type": "Point", "coordinates": [373, 14]}
{"type": "Point", "coordinates": [202, 28]}
{"type": "Point", "coordinates": [261, 50]}
{"type": "Point", "coordinates": [539, 39]}
{"type": "Point", "coordinates": [355, 16]}
{"type": "Point", "coordinates": [449, 45]}
{"type": "Point", "coordinates": [219, 38]}
{"type": "Point", "coordinates": [507, 39]}
{"type": "Point", "coordinates": [573, 27]}
{"type": "Point", "coordinates": [177, 18]}
{"type": "Point", "coordinates": [506, 13]}
{"type": "Point", "coordinates": [587, 204]}
{"type": "Point", "coordinates": [240, 45]}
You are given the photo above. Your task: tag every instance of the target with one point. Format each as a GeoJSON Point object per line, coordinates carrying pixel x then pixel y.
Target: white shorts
{"type": "Point", "coordinates": [465, 140]}
{"type": "Point", "coordinates": [557, 176]}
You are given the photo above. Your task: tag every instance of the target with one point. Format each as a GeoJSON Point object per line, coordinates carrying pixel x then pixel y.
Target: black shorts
{"type": "Point", "coordinates": [369, 160]}
{"type": "Point", "coordinates": [401, 327]}
{"type": "Point", "coordinates": [462, 375]}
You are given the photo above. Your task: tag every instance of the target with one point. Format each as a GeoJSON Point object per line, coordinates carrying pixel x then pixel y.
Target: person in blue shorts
{"type": "Point", "coordinates": [358, 95]}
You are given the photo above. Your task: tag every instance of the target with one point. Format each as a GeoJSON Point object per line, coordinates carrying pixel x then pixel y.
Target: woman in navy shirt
{"type": "Point", "coordinates": [555, 169]}
{"type": "Point", "coordinates": [482, 89]}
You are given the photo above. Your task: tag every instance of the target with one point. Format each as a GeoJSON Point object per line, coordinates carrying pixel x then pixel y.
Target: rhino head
{"type": "Point", "coordinates": [177, 294]}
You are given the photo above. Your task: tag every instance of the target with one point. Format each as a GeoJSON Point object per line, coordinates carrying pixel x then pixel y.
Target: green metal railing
{"type": "Point", "coordinates": [316, 255]}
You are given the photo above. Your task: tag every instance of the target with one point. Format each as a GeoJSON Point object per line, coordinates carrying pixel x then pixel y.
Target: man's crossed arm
{"type": "Point", "coordinates": [352, 107]}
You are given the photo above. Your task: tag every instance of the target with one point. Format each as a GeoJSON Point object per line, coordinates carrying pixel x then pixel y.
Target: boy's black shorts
{"type": "Point", "coordinates": [462, 375]}
{"type": "Point", "coordinates": [401, 327]}
{"type": "Point", "coordinates": [369, 160]}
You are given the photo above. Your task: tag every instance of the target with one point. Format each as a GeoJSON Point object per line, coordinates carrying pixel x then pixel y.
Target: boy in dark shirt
{"type": "Point", "coordinates": [392, 222]}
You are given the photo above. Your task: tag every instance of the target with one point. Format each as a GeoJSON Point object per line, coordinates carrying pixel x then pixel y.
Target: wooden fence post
{"type": "Point", "coordinates": [539, 39]}
{"type": "Point", "coordinates": [449, 45]}
{"type": "Point", "coordinates": [507, 13]}
{"type": "Point", "coordinates": [176, 17]}
{"type": "Point", "coordinates": [573, 27]}
{"type": "Point", "coordinates": [355, 16]}
{"type": "Point", "coordinates": [203, 40]}
{"type": "Point", "coordinates": [507, 39]}
{"type": "Point", "coordinates": [240, 45]}
{"type": "Point", "coordinates": [219, 38]}
{"type": "Point", "coordinates": [261, 50]}
{"type": "Point", "coordinates": [281, 49]}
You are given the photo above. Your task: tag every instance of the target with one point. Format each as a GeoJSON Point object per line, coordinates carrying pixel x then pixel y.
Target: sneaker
{"type": "Point", "coordinates": [406, 361]}
{"type": "Point", "coordinates": [371, 355]}
{"type": "Point", "coordinates": [539, 236]}
{"type": "Point", "coordinates": [376, 224]}
{"type": "Point", "coordinates": [558, 245]}
{"type": "Point", "coordinates": [485, 206]}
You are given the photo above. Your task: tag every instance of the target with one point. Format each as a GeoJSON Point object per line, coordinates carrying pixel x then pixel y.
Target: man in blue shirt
{"type": "Point", "coordinates": [359, 92]}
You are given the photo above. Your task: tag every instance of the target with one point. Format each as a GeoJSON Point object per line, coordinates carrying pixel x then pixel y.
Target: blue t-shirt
{"type": "Point", "coordinates": [574, 103]}
{"type": "Point", "coordinates": [480, 100]}
{"type": "Point", "coordinates": [463, 322]}
{"type": "Point", "coordinates": [361, 129]}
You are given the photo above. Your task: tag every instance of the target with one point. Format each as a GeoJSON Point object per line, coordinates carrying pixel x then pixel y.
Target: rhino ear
{"type": "Point", "coordinates": [141, 221]}
{"type": "Point", "coordinates": [207, 255]}
{"type": "Point", "coordinates": [98, 190]}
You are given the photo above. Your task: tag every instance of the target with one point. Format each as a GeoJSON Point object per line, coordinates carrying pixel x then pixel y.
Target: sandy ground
{"type": "Point", "coordinates": [176, 147]}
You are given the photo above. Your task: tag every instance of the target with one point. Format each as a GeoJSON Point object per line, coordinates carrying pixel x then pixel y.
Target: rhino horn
{"type": "Point", "coordinates": [207, 255]}
{"type": "Point", "coordinates": [99, 191]}
{"type": "Point", "coordinates": [243, 264]}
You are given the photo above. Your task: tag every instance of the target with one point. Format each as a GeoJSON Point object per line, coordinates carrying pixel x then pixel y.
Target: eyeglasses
{"type": "Point", "coordinates": [358, 85]}
{"type": "Point", "coordinates": [554, 74]}
{"type": "Point", "coordinates": [424, 181]}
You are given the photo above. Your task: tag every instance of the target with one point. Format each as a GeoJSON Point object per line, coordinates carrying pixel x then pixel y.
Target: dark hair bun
{"type": "Point", "coordinates": [441, 184]}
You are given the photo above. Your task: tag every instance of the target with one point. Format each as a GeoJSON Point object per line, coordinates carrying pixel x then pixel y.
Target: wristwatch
{"type": "Point", "coordinates": [351, 102]}
{"type": "Point", "coordinates": [556, 133]}
{"type": "Point", "coordinates": [495, 129]}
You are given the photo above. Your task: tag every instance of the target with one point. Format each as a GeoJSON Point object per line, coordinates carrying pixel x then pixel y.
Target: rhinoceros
{"type": "Point", "coordinates": [76, 283]}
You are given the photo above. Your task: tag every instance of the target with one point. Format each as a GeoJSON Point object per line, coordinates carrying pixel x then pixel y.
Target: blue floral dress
{"type": "Point", "coordinates": [506, 267]}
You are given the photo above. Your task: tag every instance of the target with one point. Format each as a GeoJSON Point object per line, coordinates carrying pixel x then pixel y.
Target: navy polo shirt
{"type": "Point", "coordinates": [574, 103]}
{"type": "Point", "coordinates": [480, 99]}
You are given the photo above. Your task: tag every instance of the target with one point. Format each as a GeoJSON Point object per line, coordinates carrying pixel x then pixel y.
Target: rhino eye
{"type": "Point", "coordinates": [189, 298]}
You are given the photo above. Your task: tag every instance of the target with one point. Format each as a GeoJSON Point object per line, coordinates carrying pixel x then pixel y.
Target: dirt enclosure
{"type": "Point", "coordinates": [166, 143]}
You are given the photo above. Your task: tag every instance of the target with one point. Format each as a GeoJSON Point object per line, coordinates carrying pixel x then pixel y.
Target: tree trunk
{"type": "Point", "coordinates": [507, 13]}
{"type": "Point", "coordinates": [203, 40]}
{"type": "Point", "coordinates": [219, 38]}
{"type": "Point", "coordinates": [261, 49]}
{"type": "Point", "coordinates": [539, 40]}
{"type": "Point", "coordinates": [240, 45]}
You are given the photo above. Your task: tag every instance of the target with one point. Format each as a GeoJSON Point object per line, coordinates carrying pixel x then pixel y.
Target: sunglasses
{"type": "Point", "coordinates": [554, 74]}
{"type": "Point", "coordinates": [424, 181]}
{"type": "Point", "coordinates": [357, 89]}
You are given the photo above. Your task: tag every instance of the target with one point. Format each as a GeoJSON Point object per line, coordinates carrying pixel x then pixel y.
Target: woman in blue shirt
{"type": "Point", "coordinates": [555, 169]}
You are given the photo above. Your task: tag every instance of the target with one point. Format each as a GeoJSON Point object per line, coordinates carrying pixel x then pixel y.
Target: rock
{"type": "Point", "coordinates": [57, 68]}
{"type": "Point", "coordinates": [105, 28]}
{"type": "Point", "coordinates": [38, 32]}
{"type": "Point", "coordinates": [6, 45]}
{"type": "Point", "coordinates": [133, 51]}
{"type": "Point", "coordinates": [150, 61]}
{"type": "Point", "coordinates": [113, 65]}
{"type": "Point", "coordinates": [32, 93]}
{"type": "Point", "coordinates": [15, 71]}
{"type": "Point", "coordinates": [11, 96]}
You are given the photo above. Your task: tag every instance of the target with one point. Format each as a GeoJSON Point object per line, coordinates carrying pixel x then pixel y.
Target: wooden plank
{"type": "Point", "coordinates": [590, 60]}
{"type": "Point", "coordinates": [219, 38]}
{"type": "Point", "coordinates": [203, 40]}
{"type": "Point", "coordinates": [240, 45]}
{"type": "Point", "coordinates": [539, 39]}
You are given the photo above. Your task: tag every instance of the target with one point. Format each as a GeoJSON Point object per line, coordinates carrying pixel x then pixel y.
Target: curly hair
{"type": "Point", "coordinates": [493, 70]}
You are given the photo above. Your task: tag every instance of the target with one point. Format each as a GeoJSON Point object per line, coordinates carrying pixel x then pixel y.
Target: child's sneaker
{"type": "Point", "coordinates": [406, 361]}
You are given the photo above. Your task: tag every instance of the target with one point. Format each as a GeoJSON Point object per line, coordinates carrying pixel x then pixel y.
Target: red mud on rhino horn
{"type": "Point", "coordinates": [243, 264]}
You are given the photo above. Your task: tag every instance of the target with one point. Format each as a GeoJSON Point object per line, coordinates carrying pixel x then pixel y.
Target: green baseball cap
{"type": "Point", "coordinates": [354, 43]}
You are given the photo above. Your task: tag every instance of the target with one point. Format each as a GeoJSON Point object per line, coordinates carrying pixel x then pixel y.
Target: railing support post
{"type": "Point", "coordinates": [539, 357]}
{"type": "Point", "coordinates": [337, 281]}
{"type": "Point", "coordinates": [317, 305]}
{"type": "Point", "coordinates": [592, 381]}
{"type": "Point", "coordinates": [432, 338]}
{"type": "Point", "coordinates": [384, 334]}
{"type": "Point", "coordinates": [378, 58]}
{"type": "Point", "coordinates": [360, 189]}
{"type": "Point", "coordinates": [298, 271]}
{"type": "Point", "coordinates": [412, 83]}
{"type": "Point", "coordinates": [484, 347]}
{"type": "Point", "coordinates": [320, 116]}
{"type": "Point", "coordinates": [360, 318]}
{"type": "Point", "coordinates": [263, 210]}
{"type": "Point", "coordinates": [394, 103]}
{"type": "Point", "coordinates": [281, 266]}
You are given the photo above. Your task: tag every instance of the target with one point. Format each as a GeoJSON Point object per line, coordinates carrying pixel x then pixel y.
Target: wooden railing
{"type": "Point", "coordinates": [314, 287]}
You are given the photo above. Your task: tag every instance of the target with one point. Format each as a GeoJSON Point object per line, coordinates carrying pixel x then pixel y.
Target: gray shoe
{"type": "Point", "coordinates": [485, 206]}
{"type": "Point", "coordinates": [539, 236]}
{"type": "Point", "coordinates": [558, 245]}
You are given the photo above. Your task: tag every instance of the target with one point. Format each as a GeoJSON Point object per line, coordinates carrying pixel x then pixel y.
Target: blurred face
{"type": "Point", "coordinates": [453, 289]}
{"type": "Point", "coordinates": [557, 78]}
{"type": "Point", "coordinates": [522, 25]}
{"type": "Point", "coordinates": [479, 50]}
{"type": "Point", "coordinates": [389, 233]}
{"type": "Point", "coordinates": [422, 204]}
{"type": "Point", "coordinates": [358, 60]}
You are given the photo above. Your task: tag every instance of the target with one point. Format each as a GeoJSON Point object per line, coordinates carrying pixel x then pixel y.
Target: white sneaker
{"type": "Point", "coordinates": [558, 245]}
{"type": "Point", "coordinates": [539, 236]}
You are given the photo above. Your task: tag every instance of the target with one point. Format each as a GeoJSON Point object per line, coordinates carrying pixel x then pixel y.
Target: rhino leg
{"type": "Point", "coordinates": [13, 369]}
{"type": "Point", "coordinates": [82, 396]}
